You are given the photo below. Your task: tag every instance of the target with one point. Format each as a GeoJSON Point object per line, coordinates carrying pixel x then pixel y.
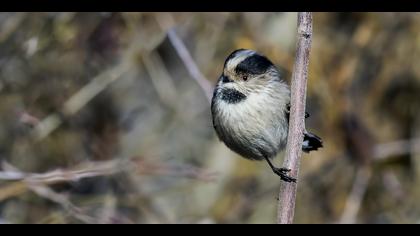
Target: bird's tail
{"type": "Point", "coordinates": [311, 142]}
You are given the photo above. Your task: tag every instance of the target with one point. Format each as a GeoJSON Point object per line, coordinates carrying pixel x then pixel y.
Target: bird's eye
{"type": "Point", "coordinates": [244, 78]}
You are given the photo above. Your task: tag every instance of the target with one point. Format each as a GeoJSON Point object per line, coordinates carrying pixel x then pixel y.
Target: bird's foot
{"type": "Point", "coordinates": [282, 172]}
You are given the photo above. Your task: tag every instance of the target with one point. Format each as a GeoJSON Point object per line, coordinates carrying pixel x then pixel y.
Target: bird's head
{"type": "Point", "coordinates": [248, 72]}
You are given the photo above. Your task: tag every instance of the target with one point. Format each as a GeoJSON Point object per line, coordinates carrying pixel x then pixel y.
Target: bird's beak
{"type": "Point", "coordinates": [226, 79]}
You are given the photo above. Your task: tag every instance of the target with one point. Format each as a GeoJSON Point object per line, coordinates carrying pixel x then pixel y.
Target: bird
{"type": "Point", "coordinates": [250, 109]}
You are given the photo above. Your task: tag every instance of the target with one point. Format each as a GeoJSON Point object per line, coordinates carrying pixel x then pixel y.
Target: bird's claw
{"type": "Point", "coordinates": [282, 172]}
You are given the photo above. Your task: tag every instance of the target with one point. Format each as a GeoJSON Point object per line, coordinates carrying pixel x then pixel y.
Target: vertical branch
{"type": "Point", "coordinates": [287, 195]}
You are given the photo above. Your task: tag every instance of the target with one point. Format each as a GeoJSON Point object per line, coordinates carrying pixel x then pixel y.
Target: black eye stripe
{"type": "Point", "coordinates": [255, 65]}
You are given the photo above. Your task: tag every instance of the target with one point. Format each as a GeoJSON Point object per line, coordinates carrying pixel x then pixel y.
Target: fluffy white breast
{"type": "Point", "coordinates": [261, 114]}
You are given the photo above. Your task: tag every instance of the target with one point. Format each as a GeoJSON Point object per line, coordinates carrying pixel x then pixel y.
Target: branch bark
{"type": "Point", "coordinates": [287, 194]}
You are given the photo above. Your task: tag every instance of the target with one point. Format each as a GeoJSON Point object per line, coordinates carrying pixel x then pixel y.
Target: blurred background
{"type": "Point", "coordinates": [105, 118]}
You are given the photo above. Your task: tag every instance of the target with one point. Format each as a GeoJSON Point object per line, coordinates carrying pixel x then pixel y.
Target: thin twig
{"type": "Point", "coordinates": [78, 101]}
{"type": "Point", "coordinates": [393, 185]}
{"type": "Point", "coordinates": [381, 153]}
{"type": "Point", "coordinates": [94, 169]}
{"type": "Point", "coordinates": [106, 168]}
{"type": "Point", "coordinates": [160, 78]}
{"type": "Point", "coordinates": [287, 195]}
{"type": "Point", "coordinates": [61, 199]}
{"type": "Point", "coordinates": [186, 171]}
{"type": "Point", "coordinates": [354, 201]}
{"type": "Point", "coordinates": [189, 63]}
{"type": "Point", "coordinates": [86, 170]}
{"type": "Point", "coordinates": [392, 149]}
